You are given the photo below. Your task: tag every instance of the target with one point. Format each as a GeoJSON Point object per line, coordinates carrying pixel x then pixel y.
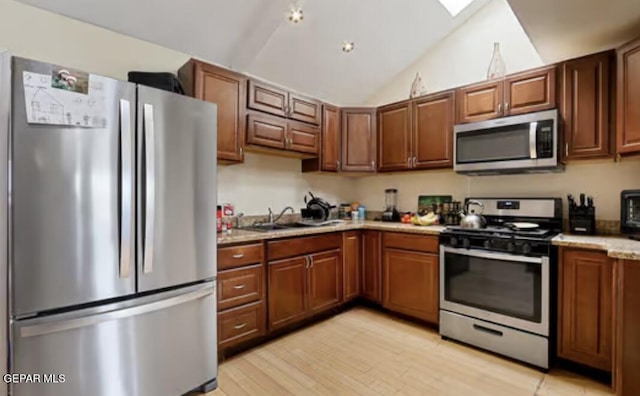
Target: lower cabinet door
{"type": "Point", "coordinates": [411, 283]}
{"type": "Point", "coordinates": [287, 291]}
{"type": "Point", "coordinates": [352, 257]}
{"type": "Point", "coordinates": [585, 308]}
{"type": "Point", "coordinates": [325, 280]}
{"type": "Point", "coordinates": [372, 266]}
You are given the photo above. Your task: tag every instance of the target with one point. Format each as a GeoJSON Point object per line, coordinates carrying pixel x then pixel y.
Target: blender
{"type": "Point", "coordinates": [391, 204]}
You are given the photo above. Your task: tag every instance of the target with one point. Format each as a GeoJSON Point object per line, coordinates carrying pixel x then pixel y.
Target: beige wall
{"type": "Point", "coordinates": [463, 57]}
{"type": "Point", "coordinates": [602, 179]}
{"type": "Point", "coordinates": [263, 181]}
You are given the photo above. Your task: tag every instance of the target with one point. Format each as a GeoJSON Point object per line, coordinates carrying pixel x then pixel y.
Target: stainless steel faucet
{"type": "Point", "coordinates": [272, 220]}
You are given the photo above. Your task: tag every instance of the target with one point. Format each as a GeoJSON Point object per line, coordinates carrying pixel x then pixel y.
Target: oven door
{"type": "Point", "coordinates": [501, 288]}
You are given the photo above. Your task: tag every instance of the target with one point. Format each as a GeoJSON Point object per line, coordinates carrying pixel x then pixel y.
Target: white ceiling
{"type": "Point", "coordinates": [563, 29]}
{"type": "Point", "coordinates": [254, 36]}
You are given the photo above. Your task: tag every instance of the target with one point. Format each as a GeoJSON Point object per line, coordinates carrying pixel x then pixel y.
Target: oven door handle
{"type": "Point", "coordinates": [492, 255]}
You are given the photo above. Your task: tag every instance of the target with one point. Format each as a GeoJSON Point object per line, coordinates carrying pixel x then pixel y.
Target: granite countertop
{"type": "Point", "coordinates": [615, 246]}
{"type": "Point", "coordinates": [240, 235]}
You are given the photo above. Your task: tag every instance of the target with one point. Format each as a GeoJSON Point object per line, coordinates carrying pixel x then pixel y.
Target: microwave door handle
{"type": "Point", "coordinates": [533, 143]}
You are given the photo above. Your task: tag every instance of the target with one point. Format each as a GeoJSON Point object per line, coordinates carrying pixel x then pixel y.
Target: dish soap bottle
{"type": "Point", "coordinates": [497, 68]}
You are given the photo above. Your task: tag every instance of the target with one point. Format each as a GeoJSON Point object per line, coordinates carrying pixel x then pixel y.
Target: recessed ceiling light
{"type": "Point", "coordinates": [348, 46]}
{"type": "Point", "coordinates": [295, 14]}
{"type": "Point", "coordinates": [455, 6]}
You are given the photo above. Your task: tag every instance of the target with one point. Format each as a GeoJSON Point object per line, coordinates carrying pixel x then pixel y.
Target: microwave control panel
{"type": "Point", "coordinates": [544, 139]}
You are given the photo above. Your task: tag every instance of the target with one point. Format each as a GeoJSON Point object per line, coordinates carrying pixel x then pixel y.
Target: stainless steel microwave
{"type": "Point", "coordinates": [525, 143]}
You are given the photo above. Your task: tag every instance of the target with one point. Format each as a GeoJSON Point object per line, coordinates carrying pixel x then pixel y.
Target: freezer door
{"type": "Point", "coordinates": [160, 345]}
{"type": "Point", "coordinates": [177, 193]}
{"type": "Point", "coordinates": [72, 203]}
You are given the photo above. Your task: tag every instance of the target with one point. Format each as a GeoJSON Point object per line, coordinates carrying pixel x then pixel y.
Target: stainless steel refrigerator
{"type": "Point", "coordinates": [112, 245]}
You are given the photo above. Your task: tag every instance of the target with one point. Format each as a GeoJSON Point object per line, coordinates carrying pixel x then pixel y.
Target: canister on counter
{"type": "Point", "coordinates": [361, 212]}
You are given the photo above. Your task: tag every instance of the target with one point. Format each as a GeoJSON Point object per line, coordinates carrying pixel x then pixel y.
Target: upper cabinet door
{"type": "Point", "coordinates": [585, 103]}
{"type": "Point", "coordinates": [628, 103]}
{"type": "Point", "coordinates": [304, 109]}
{"type": "Point", "coordinates": [303, 138]}
{"type": "Point", "coordinates": [394, 137]}
{"type": "Point", "coordinates": [268, 98]}
{"type": "Point", "coordinates": [330, 155]}
{"type": "Point", "coordinates": [267, 131]}
{"type": "Point", "coordinates": [433, 118]}
{"type": "Point", "coordinates": [227, 90]}
{"type": "Point", "coordinates": [359, 139]}
{"type": "Point", "coordinates": [479, 102]}
{"type": "Point", "coordinates": [530, 91]}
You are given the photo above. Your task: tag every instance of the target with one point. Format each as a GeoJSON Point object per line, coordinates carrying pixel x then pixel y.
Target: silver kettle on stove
{"type": "Point", "coordinates": [470, 219]}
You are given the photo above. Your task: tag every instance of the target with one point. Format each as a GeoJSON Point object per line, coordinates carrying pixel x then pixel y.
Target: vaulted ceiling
{"type": "Point", "coordinates": [255, 37]}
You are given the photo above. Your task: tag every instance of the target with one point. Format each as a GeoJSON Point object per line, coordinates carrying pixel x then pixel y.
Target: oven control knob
{"type": "Point", "coordinates": [511, 247]}
{"type": "Point", "coordinates": [487, 244]}
{"type": "Point", "coordinates": [526, 248]}
{"type": "Point", "coordinates": [453, 241]}
{"type": "Point", "coordinates": [466, 243]}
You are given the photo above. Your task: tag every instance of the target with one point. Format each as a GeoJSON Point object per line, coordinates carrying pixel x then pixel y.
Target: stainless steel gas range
{"type": "Point", "coordinates": [496, 282]}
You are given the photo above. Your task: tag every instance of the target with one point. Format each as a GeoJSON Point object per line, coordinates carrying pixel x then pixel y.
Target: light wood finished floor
{"type": "Point", "coordinates": [363, 352]}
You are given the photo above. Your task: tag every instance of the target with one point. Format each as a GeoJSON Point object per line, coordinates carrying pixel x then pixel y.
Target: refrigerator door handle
{"type": "Point", "coordinates": [126, 189]}
{"type": "Point", "coordinates": [150, 198]}
{"type": "Point", "coordinates": [54, 325]}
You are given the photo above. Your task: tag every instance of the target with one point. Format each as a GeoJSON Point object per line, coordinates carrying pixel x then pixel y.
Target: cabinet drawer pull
{"type": "Point", "coordinates": [238, 256]}
{"type": "Point", "coordinates": [238, 287]}
{"type": "Point", "coordinates": [239, 326]}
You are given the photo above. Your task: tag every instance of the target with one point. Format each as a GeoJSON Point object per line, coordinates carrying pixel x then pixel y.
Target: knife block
{"type": "Point", "coordinates": [582, 220]}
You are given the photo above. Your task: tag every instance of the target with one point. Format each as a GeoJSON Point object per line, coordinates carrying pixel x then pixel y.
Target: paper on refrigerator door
{"type": "Point", "coordinates": [49, 101]}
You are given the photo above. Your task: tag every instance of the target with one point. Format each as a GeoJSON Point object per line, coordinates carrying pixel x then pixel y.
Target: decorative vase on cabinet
{"type": "Point", "coordinates": [497, 68]}
{"type": "Point", "coordinates": [417, 88]}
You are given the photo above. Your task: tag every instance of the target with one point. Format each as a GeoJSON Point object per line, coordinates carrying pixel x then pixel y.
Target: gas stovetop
{"type": "Point", "coordinates": [536, 242]}
{"type": "Point", "coordinates": [502, 231]}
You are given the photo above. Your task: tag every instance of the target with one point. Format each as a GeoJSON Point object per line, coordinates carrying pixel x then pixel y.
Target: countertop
{"type": "Point", "coordinates": [240, 235]}
{"type": "Point", "coordinates": [616, 246]}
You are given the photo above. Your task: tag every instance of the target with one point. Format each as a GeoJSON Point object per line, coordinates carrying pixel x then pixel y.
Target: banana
{"type": "Point", "coordinates": [426, 220]}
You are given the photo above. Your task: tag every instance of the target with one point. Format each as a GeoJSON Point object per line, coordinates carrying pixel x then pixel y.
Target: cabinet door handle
{"type": "Point", "coordinates": [566, 149]}
{"type": "Point", "coordinates": [338, 164]}
{"type": "Point", "coordinates": [506, 107]}
{"type": "Point", "coordinates": [239, 287]}
{"type": "Point", "coordinates": [239, 326]}
{"type": "Point", "coordinates": [241, 151]}
{"type": "Point", "coordinates": [373, 165]}
{"type": "Point", "coordinates": [238, 256]}
{"type": "Point", "coordinates": [499, 108]}
{"type": "Point", "coordinates": [409, 162]}
{"type": "Point", "coordinates": [306, 261]}
{"type": "Point", "coordinates": [311, 262]}
{"type": "Point", "coordinates": [414, 162]}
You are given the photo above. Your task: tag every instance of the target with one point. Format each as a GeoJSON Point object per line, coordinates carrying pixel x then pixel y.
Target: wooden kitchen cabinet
{"type": "Point", "coordinates": [330, 141]}
{"type": "Point", "coordinates": [290, 138]}
{"type": "Point", "coordinates": [325, 280]}
{"type": "Point", "coordinates": [266, 131]}
{"type": "Point", "coordinates": [585, 86]}
{"type": "Point", "coordinates": [288, 297]}
{"type": "Point", "coordinates": [304, 109]}
{"type": "Point", "coordinates": [432, 135]}
{"type": "Point", "coordinates": [303, 138]}
{"type": "Point", "coordinates": [627, 381]}
{"type": "Point", "coordinates": [628, 99]}
{"type": "Point", "coordinates": [520, 93]}
{"type": "Point", "coordinates": [277, 101]}
{"type": "Point", "coordinates": [352, 259]}
{"type": "Point", "coordinates": [227, 90]}
{"type": "Point", "coordinates": [530, 91]}
{"type": "Point", "coordinates": [372, 266]}
{"type": "Point", "coordinates": [585, 306]}
{"type": "Point", "coordinates": [410, 270]}
{"type": "Point", "coordinates": [268, 98]}
{"type": "Point", "coordinates": [305, 277]}
{"type": "Point", "coordinates": [479, 102]}
{"type": "Point", "coordinates": [358, 140]}
{"type": "Point", "coordinates": [394, 137]}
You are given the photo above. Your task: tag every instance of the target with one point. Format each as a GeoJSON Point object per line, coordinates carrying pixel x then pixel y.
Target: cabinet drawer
{"type": "Point", "coordinates": [301, 246]}
{"type": "Point", "coordinates": [241, 324]}
{"type": "Point", "coordinates": [238, 256]}
{"type": "Point", "coordinates": [240, 286]}
{"type": "Point", "coordinates": [418, 243]}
